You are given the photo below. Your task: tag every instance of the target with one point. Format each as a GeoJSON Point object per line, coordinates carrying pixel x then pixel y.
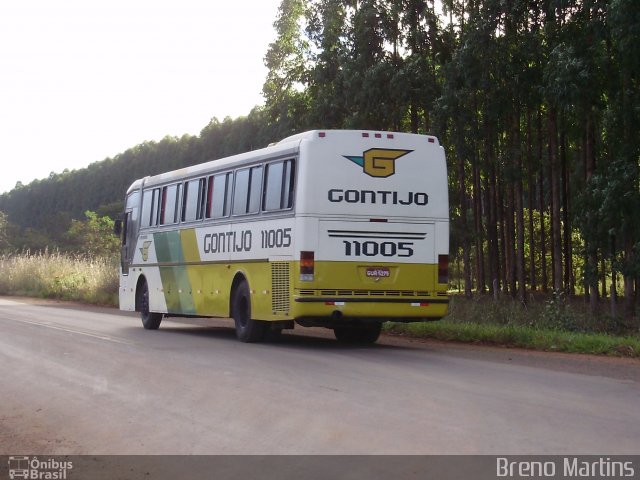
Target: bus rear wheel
{"type": "Point", "coordinates": [364, 334]}
{"type": "Point", "coordinates": [247, 329]}
{"type": "Point", "coordinates": [150, 320]}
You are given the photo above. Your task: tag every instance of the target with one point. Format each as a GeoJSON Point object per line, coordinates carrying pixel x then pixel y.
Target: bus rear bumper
{"type": "Point", "coordinates": [336, 309]}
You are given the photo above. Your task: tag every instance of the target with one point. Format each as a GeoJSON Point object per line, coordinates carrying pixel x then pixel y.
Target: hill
{"type": "Point", "coordinates": [42, 210]}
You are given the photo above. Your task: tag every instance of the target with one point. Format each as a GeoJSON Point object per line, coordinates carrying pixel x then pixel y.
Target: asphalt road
{"type": "Point", "coordinates": [82, 380]}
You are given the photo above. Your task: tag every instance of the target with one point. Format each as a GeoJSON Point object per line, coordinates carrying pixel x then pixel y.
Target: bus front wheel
{"type": "Point", "coordinates": [363, 334]}
{"type": "Point", "coordinates": [247, 329]}
{"type": "Point", "coordinates": [150, 320]}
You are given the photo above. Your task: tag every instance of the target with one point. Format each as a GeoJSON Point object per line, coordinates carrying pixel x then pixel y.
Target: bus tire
{"type": "Point", "coordinates": [150, 320]}
{"type": "Point", "coordinates": [364, 334]}
{"type": "Point", "coordinates": [247, 329]}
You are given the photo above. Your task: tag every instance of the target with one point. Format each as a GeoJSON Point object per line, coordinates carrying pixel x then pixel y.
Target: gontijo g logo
{"type": "Point", "coordinates": [144, 250]}
{"type": "Point", "coordinates": [378, 162]}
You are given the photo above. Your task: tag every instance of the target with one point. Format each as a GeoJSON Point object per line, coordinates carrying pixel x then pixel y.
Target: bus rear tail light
{"type": "Point", "coordinates": [443, 268]}
{"type": "Point", "coordinates": [307, 266]}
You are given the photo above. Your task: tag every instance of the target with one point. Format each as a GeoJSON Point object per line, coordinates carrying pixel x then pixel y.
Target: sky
{"type": "Point", "coordinates": [82, 80]}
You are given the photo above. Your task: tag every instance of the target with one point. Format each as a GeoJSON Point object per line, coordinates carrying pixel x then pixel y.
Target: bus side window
{"type": "Point", "coordinates": [219, 197]}
{"type": "Point", "coordinates": [169, 204]}
{"type": "Point", "coordinates": [176, 215]}
{"type": "Point", "coordinates": [125, 228]}
{"type": "Point", "coordinates": [163, 204]}
{"type": "Point", "coordinates": [193, 200]}
{"type": "Point", "coordinates": [278, 187]}
{"type": "Point", "coordinates": [155, 207]}
{"type": "Point", "coordinates": [207, 213]}
{"type": "Point", "coordinates": [202, 198]}
{"type": "Point", "coordinates": [228, 198]}
{"type": "Point", "coordinates": [146, 208]}
{"type": "Point", "coordinates": [241, 192]}
{"type": "Point", "coordinates": [255, 189]}
{"type": "Point", "coordinates": [289, 184]}
{"type": "Point", "coordinates": [248, 186]}
{"type": "Point", "coordinates": [273, 187]}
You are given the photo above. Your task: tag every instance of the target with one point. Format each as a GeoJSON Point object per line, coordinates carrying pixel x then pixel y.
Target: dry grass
{"type": "Point", "coordinates": [61, 276]}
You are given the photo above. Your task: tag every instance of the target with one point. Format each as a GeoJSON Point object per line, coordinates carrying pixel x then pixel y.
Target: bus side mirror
{"type": "Point", "coordinates": [117, 227]}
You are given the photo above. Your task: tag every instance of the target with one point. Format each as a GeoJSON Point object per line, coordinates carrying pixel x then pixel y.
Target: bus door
{"type": "Point", "coordinates": [130, 224]}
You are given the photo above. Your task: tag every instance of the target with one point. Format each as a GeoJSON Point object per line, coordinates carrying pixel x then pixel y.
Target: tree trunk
{"type": "Point", "coordinates": [629, 283]}
{"type": "Point", "coordinates": [414, 115]}
{"type": "Point", "coordinates": [510, 240]}
{"type": "Point", "coordinates": [592, 260]}
{"type": "Point", "coordinates": [566, 247]}
{"type": "Point", "coordinates": [614, 277]}
{"type": "Point", "coordinates": [479, 234]}
{"type": "Point", "coordinates": [520, 268]}
{"type": "Point", "coordinates": [558, 286]}
{"type": "Point", "coordinates": [466, 250]}
{"type": "Point", "coordinates": [492, 232]}
{"type": "Point", "coordinates": [603, 278]}
{"type": "Point", "coordinates": [492, 207]}
{"type": "Point", "coordinates": [503, 248]}
{"type": "Point", "coordinates": [541, 208]}
{"type": "Point", "coordinates": [531, 191]}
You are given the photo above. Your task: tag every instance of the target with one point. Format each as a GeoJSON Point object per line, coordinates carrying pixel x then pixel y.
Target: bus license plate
{"type": "Point", "coordinates": [378, 272]}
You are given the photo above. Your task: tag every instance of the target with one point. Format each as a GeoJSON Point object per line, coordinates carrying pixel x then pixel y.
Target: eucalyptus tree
{"type": "Point", "coordinates": [326, 30]}
{"type": "Point", "coordinates": [286, 61]}
{"type": "Point", "coordinates": [368, 68]}
{"type": "Point", "coordinates": [623, 138]}
{"type": "Point", "coordinates": [419, 73]}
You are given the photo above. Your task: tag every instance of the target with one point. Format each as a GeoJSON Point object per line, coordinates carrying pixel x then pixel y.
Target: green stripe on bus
{"type": "Point", "coordinates": [177, 284]}
{"type": "Point", "coordinates": [168, 247]}
{"type": "Point", "coordinates": [177, 290]}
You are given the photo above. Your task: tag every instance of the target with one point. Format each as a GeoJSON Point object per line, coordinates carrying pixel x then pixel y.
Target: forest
{"type": "Point", "coordinates": [536, 102]}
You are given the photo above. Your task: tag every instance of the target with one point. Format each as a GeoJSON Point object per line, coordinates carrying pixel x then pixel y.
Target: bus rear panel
{"type": "Point", "coordinates": [374, 228]}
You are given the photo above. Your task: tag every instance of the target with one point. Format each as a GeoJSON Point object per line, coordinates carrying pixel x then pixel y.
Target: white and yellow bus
{"type": "Point", "coordinates": [340, 229]}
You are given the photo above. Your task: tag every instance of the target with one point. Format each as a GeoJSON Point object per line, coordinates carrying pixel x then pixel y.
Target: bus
{"type": "Point", "coordinates": [329, 228]}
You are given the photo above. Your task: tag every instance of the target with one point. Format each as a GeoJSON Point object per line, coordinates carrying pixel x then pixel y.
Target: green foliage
{"type": "Point", "coordinates": [557, 315]}
{"type": "Point", "coordinates": [94, 236]}
{"type": "Point", "coordinates": [286, 63]}
{"type": "Point", "coordinates": [4, 235]}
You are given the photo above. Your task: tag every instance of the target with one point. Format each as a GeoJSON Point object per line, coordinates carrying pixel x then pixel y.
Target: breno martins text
{"type": "Point", "coordinates": [567, 467]}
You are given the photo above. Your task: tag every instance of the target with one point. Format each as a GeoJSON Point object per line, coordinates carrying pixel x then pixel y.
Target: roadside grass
{"type": "Point", "coordinates": [60, 276]}
{"type": "Point", "coordinates": [553, 324]}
